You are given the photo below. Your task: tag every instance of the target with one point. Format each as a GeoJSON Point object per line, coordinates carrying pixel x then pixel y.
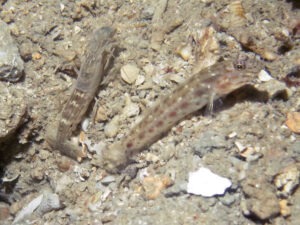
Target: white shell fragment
{"type": "Point", "coordinates": [85, 124]}
{"type": "Point", "coordinates": [28, 209]}
{"type": "Point", "coordinates": [205, 183]}
{"type": "Point", "coordinates": [129, 73]}
{"type": "Point", "coordinates": [264, 76]}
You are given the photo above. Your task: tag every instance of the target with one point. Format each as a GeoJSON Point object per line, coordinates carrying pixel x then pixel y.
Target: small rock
{"type": "Point", "coordinates": [111, 129]}
{"type": "Point", "coordinates": [228, 199]}
{"type": "Point", "coordinates": [67, 54]}
{"type": "Point", "coordinates": [64, 164]}
{"type": "Point", "coordinates": [176, 78]}
{"type": "Point", "coordinates": [108, 217]}
{"type": "Point", "coordinates": [293, 121]}
{"type": "Point", "coordinates": [49, 202]}
{"type": "Point", "coordinates": [11, 64]}
{"type": "Point", "coordinates": [131, 110]}
{"type": "Point", "coordinates": [13, 115]}
{"type": "Point", "coordinates": [37, 175]}
{"type": "Point", "coordinates": [207, 141]}
{"type": "Point", "coordinates": [295, 147]}
{"type": "Point", "coordinates": [62, 184]}
{"type": "Point", "coordinates": [261, 199]}
{"type": "Point", "coordinates": [101, 114]}
{"type": "Point", "coordinates": [129, 73]}
{"type": "Point", "coordinates": [151, 157]}
{"type": "Point", "coordinates": [36, 56]}
{"type": "Point", "coordinates": [285, 210]}
{"type": "Point", "coordinates": [154, 185]}
{"type": "Point", "coordinates": [147, 13]}
{"type": "Point", "coordinates": [177, 189]}
{"type": "Point", "coordinates": [44, 155]}
{"type": "Point", "coordinates": [108, 179]}
{"type": "Point", "coordinates": [275, 88]}
{"type": "Point", "coordinates": [140, 80]}
{"type": "Point", "coordinates": [287, 180]}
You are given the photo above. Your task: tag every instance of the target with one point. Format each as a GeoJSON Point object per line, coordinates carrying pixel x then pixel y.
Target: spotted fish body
{"type": "Point", "coordinates": [96, 57]}
{"type": "Point", "coordinates": [211, 83]}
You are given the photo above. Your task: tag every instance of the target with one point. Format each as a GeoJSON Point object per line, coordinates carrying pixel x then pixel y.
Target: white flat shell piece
{"type": "Point", "coordinates": [205, 183]}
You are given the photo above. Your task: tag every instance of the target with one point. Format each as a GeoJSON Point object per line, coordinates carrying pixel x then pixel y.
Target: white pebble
{"type": "Point", "coordinates": [185, 52]}
{"type": "Point", "coordinates": [85, 124]}
{"type": "Point", "coordinates": [205, 183]}
{"type": "Point", "coordinates": [129, 73]}
{"type": "Point", "coordinates": [264, 76]}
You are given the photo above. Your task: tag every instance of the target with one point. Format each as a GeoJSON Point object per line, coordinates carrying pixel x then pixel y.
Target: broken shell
{"type": "Point", "coordinates": [232, 16]}
{"type": "Point", "coordinates": [129, 73]}
{"type": "Point", "coordinates": [154, 185]}
{"type": "Point", "coordinates": [207, 49]}
{"type": "Point", "coordinates": [237, 9]}
{"type": "Point", "coordinates": [293, 121]}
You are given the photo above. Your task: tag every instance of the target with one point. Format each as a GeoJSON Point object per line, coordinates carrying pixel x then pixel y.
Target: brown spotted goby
{"type": "Point", "coordinates": [200, 90]}
{"type": "Point", "coordinates": [96, 57]}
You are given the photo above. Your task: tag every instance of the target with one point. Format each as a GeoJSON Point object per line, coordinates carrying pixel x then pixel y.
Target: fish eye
{"type": "Point", "coordinates": [240, 66]}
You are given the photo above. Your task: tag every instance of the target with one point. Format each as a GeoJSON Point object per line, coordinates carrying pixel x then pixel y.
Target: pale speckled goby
{"type": "Point", "coordinates": [97, 56]}
{"type": "Point", "coordinates": [211, 83]}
